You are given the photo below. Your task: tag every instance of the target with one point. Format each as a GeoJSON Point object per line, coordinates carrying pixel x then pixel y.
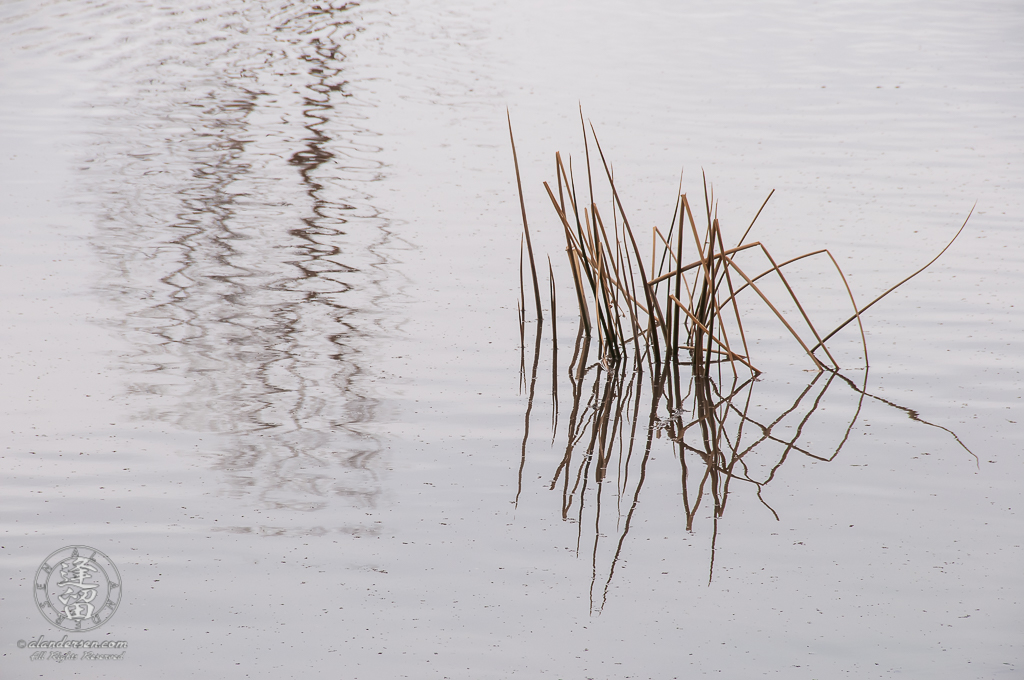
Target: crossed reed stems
{"type": "Point", "coordinates": [670, 309]}
{"type": "Point", "coordinates": [674, 314]}
{"type": "Point", "coordinates": [717, 435]}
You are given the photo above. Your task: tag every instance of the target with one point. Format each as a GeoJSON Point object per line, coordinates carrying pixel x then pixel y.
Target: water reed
{"type": "Point", "coordinates": [683, 304]}
{"type": "Point", "coordinates": [654, 320]}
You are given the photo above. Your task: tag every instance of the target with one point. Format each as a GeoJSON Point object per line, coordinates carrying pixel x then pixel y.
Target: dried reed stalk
{"type": "Point", "coordinates": [689, 316]}
{"type": "Point", "coordinates": [700, 323]}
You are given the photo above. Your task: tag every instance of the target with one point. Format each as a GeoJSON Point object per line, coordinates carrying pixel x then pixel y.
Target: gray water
{"type": "Point", "coordinates": [259, 272]}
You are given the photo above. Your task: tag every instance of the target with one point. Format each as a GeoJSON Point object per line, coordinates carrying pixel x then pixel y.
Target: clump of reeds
{"type": "Point", "coordinates": [683, 305]}
{"type": "Point", "coordinates": [679, 309]}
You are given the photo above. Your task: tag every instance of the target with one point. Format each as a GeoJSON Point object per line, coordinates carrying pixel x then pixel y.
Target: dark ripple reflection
{"type": "Point", "coordinates": [239, 236]}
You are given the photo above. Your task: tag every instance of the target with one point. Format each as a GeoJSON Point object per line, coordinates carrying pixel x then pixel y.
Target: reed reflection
{"type": "Point", "coordinates": [720, 435]}
{"type": "Point", "coordinates": [250, 262]}
{"type": "Point", "coordinates": [686, 317]}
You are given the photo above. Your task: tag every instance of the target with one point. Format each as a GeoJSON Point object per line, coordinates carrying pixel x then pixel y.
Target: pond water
{"type": "Point", "coordinates": [259, 276]}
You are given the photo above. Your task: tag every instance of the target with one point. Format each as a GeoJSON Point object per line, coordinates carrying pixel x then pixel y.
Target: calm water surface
{"type": "Point", "coordinates": [258, 277]}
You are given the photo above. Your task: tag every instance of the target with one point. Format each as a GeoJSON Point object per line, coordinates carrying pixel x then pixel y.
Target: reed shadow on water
{"type": "Point", "coordinates": [662, 354]}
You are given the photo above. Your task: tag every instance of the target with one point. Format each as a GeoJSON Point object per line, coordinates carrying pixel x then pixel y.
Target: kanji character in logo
{"type": "Point", "coordinates": [76, 571]}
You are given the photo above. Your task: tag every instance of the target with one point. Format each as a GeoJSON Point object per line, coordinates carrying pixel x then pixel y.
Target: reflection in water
{"type": "Point", "coordinates": [720, 435]}
{"type": "Point", "coordinates": [250, 264]}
